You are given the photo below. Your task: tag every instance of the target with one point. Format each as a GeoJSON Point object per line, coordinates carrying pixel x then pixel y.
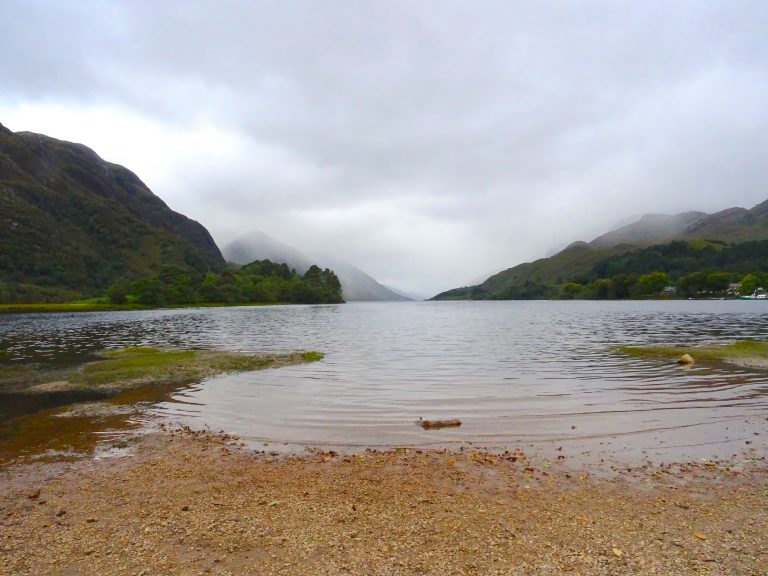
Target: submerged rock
{"type": "Point", "coordinates": [685, 359]}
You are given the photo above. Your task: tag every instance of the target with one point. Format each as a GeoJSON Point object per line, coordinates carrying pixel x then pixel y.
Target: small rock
{"type": "Point", "coordinates": [433, 424]}
{"type": "Point", "coordinates": [33, 494]}
{"type": "Point", "coordinates": [61, 513]}
{"type": "Point", "coordinates": [685, 359]}
{"type": "Point", "coordinates": [185, 508]}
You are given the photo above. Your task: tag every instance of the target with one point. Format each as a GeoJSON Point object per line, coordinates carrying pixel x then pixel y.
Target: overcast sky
{"type": "Point", "coordinates": [427, 142]}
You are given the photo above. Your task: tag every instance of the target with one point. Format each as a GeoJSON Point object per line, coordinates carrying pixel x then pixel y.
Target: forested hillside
{"type": "Point", "coordinates": [72, 224]}
{"type": "Point", "coordinates": [685, 269]}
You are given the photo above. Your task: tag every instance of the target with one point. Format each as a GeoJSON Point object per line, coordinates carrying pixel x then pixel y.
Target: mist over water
{"type": "Point", "coordinates": [513, 372]}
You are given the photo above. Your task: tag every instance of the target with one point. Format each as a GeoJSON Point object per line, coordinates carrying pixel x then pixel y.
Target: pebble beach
{"type": "Point", "coordinates": [184, 502]}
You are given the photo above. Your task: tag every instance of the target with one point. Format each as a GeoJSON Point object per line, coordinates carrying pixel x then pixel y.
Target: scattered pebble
{"type": "Point", "coordinates": [399, 512]}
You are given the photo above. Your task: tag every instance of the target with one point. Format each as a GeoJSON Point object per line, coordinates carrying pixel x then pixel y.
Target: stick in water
{"type": "Point", "coordinates": [429, 424]}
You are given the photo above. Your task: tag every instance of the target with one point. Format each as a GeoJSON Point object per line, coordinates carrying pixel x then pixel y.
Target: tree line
{"type": "Point", "coordinates": [260, 282]}
{"type": "Point", "coordinates": [677, 269]}
{"type": "Point", "coordinates": [658, 283]}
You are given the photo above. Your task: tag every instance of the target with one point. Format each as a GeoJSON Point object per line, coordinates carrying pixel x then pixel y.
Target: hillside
{"type": "Point", "coordinates": [649, 229]}
{"type": "Point", "coordinates": [356, 285]}
{"type": "Point", "coordinates": [72, 224]}
{"type": "Point", "coordinates": [583, 262]}
{"type": "Point", "coordinates": [537, 279]}
{"type": "Point", "coordinates": [730, 225]}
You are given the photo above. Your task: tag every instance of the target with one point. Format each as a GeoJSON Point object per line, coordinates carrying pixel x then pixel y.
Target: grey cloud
{"type": "Point", "coordinates": [488, 132]}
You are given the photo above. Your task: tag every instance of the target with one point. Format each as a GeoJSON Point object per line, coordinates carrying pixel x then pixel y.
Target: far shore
{"type": "Point", "coordinates": [104, 306]}
{"type": "Point", "coordinates": [108, 307]}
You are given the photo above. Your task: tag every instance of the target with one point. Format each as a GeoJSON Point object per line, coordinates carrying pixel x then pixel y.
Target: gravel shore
{"type": "Point", "coordinates": [197, 503]}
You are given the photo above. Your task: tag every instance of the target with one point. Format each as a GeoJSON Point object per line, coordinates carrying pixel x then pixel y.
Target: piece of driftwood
{"type": "Point", "coordinates": [431, 424]}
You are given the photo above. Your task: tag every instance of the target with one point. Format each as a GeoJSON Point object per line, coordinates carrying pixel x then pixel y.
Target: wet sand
{"type": "Point", "coordinates": [198, 503]}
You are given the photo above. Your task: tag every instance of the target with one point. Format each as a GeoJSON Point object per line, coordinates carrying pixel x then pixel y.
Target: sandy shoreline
{"type": "Point", "coordinates": [192, 503]}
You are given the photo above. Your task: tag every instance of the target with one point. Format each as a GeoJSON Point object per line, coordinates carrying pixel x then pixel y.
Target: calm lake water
{"type": "Point", "coordinates": [515, 373]}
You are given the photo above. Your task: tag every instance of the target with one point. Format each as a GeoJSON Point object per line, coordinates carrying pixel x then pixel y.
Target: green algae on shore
{"type": "Point", "coordinates": [22, 308]}
{"type": "Point", "coordinates": [127, 368]}
{"type": "Point", "coordinates": [64, 413]}
{"type": "Point", "coordinates": [102, 305]}
{"type": "Point", "coordinates": [750, 353]}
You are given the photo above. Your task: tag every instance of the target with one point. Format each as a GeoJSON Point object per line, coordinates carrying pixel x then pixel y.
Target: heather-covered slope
{"type": "Point", "coordinates": [731, 225]}
{"type": "Point", "coordinates": [72, 224]}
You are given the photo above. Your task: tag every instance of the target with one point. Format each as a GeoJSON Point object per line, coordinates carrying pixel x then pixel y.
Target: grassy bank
{"type": "Point", "coordinates": [66, 307]}
{"type": "Point", "coordinates": [743, 352]}
{"type": "Point", "coordinates": [118, 370]}
{"type": "Point", "coordinates": [107, 307]}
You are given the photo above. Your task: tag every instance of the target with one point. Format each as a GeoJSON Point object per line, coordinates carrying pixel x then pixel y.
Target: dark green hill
{"type": "Point", "coordinates": [701, 236]}
{"type": "Point", "coordinates": [679, 258]}
{"type": "Point", "coordinates": [538, 279]}
{"type": "Point", "coordinates": [72, 224]}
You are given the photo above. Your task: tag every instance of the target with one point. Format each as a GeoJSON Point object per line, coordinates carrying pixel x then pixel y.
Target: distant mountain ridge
{"type": "Point", "coordinates": [729, 225]}
{"type": "Point", "coordinates": [648, 229]}
{"type": "Point", "coordinates": [732, 225]}
{"type": "Point", "coordinates": [70, 220]}
{"type": "Point", "coordinates": [356, 285]}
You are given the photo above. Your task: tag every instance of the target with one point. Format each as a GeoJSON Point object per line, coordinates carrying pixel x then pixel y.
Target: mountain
{"type": "Point", "coordinates": [356, 285]}
{"type": "Point", "coordinates": [72, 223]}
{"type": "Point", "coordinates": [730, 225]}
{"type": "Point", "coordinates": [576, 263]}
{"type": "Point", "coordinates": [649, 229]}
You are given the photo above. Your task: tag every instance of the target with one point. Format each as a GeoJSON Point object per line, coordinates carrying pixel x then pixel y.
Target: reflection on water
{"type": "Point", "coordinates": [513, 372]}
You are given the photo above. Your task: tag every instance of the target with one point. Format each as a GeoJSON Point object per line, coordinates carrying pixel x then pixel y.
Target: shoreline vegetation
{"type": "Point", "coordinates": [115, 371]}
{"type": "Point", "coordinates": [186, 502]}
{"type": "Point", "coordinates": [260, 282]}
{"type": "Point", "coordinates": [104, 305]}
{"type": "Point", "coordinates": [748, 353]}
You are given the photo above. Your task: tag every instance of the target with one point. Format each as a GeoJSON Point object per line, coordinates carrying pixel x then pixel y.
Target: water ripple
{"type": "Point", "coordinates": [509, 370]}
